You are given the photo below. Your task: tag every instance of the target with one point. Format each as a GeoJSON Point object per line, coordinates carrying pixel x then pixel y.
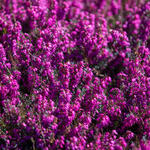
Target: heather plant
{"type": "Point", "coordinates": [74, 74]}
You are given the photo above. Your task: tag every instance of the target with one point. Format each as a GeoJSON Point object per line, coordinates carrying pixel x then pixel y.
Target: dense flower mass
{"type": "Point", "coordinates": [74, 74]}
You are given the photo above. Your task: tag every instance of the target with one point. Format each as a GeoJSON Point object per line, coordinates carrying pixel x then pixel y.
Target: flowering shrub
{"type": "Point", "coordinates": [74, 74]}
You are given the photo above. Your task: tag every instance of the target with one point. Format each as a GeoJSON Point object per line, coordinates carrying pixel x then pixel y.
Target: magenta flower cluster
{"type": "Point", "coordinates": [74, 74]}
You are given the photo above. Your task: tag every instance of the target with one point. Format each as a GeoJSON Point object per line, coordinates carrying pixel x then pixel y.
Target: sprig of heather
{"type": "Point", "coordinates": [74, 75]}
